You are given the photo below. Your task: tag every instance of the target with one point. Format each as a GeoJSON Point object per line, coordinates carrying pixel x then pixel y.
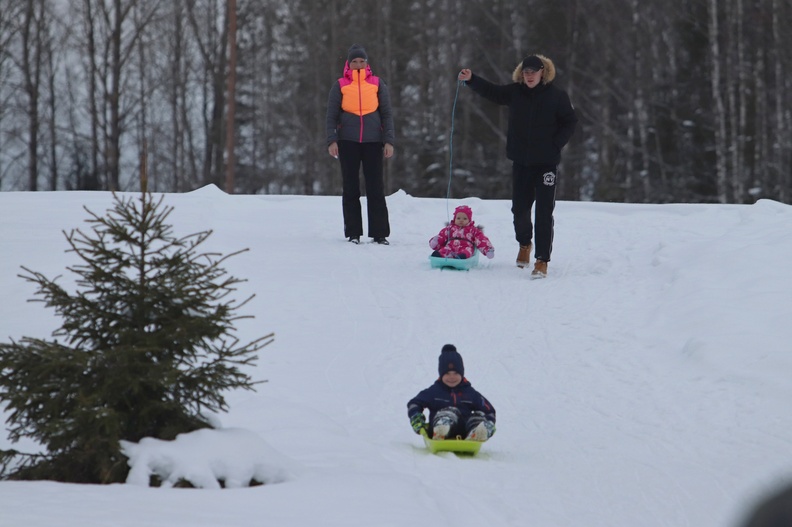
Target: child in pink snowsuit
{"type": "Point", "coordinates": [461, 237]}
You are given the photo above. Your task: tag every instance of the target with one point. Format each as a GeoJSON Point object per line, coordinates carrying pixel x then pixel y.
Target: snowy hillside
{"type": "Point", "coordinates": [645, 382]}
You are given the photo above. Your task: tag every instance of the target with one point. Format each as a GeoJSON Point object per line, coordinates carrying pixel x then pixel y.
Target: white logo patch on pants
{"type": "Point", "coordinates": [548, 178]}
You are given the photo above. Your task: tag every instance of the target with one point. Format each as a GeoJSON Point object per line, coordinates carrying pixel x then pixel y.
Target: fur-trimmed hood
{"type": "Point", "coordinates": [548, 72]}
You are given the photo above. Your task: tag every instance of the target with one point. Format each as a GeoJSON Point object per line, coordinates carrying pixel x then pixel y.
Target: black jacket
{"type": "Point", "coordinates": [439, 396]}
{"type": "Point", "coordinates": [541, 119]}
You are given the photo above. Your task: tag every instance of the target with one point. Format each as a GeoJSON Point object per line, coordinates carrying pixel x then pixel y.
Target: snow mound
{"type": "Point", "coordinates": [211, 191]}
{"type": "Point", "coordinates": [205, 458]}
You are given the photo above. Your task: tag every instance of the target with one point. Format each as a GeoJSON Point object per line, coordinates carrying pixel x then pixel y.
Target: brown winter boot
{"type": "Point", "coordinates": [524, 256]}
{"type": "Point", "coordinates": [539, 270]}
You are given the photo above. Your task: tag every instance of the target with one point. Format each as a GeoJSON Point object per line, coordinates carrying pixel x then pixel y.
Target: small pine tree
{"type": "Point", "coordinates": [146, 347]}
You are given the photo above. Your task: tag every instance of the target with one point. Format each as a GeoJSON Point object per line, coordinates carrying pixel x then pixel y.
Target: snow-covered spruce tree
{"type": "Point", "coordinates": [145, 348]}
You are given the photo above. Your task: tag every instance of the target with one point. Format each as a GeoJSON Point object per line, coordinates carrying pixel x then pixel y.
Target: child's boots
{"type": "Point", "coordinates": [443, 422]}
{"type": "Point", "coordinates": [476, 426]}
{"type": "Point", "coordinates": [479, 433]}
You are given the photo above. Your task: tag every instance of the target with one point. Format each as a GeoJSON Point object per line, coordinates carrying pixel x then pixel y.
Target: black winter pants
{"type": "Point", "coordinates": [352, 155]}
{"type": "Point", "coordinates": [536, 183]}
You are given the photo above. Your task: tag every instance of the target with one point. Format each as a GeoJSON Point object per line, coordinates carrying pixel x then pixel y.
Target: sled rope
{"type": "Point", "coordinates": [451, 148]}
{"type": "Point", "coordinates": [451, 159]}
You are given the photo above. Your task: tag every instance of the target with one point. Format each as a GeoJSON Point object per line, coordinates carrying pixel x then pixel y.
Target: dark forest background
{"type": "Point", "coordinates": [677, 101]}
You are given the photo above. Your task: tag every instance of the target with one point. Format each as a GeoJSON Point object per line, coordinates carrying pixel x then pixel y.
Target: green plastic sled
{"type": "Point", "coordinates": [458, 446]}
{"type": "Point", "coordinates": [438, 262]}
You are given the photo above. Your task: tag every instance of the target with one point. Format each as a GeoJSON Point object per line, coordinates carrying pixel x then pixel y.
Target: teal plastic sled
{"type": "Point", "coordinates": [457, 446]}
{"type": "Point", "coordinates": [438, 262]}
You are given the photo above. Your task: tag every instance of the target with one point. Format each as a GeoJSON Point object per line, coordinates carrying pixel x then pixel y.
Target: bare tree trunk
{"type": "Point", "coordinates": [741, 172]}
{"type": "Point", "coordinates": [720, 117]}
{"type": "Point", "coordinates": [736, 68]}
{"type": "Point", "coordinates": [570, 186]}
{"type": "Point", "coordinates": [230, 124]}
{"type": "Point", "coordinates": [780, 161]}
{"type": "Point", "coordinates": [632, 122]}
{"type": "Point", "coordinates": [263, 107]}
{"type": "Point", "coordinates": [174, 97]}
{"type": "Point", "coordinates": [218, 128]}
{"type": "Point", "coordinates": [31, 72]}
{"type": "Point", "coordinates": [182, 160]}
{"type": "Point", "coordinates": [761, 152]}
{"type": "Point", "coordinates": [143, 106]}
{"type": "Point", "coordinates": [92, 182]}
{"type": "Point", "coordinates": [658, 73]}
{"type": "Point", "coordinates": [113, 146]}
{"type": "Point", "coordinates": [629, 162]}
{"type": "Point", "coordinates": [212, 47]}
{"type": "Point", "coordinates": [52, 107]}
{"type": "Point", "coordinates": [386, 66]}
{"type": "Point", "coordinates": [640, 103]}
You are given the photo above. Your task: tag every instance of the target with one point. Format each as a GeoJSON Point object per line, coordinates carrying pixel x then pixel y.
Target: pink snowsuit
{"type": "Point", "coordinates": [460, 241]}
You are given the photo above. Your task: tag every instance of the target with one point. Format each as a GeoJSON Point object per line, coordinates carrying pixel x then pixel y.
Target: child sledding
{"type": "Point", "coordinates": [457, 245]}
{"type": "Point", "coordinates": [458, 414]}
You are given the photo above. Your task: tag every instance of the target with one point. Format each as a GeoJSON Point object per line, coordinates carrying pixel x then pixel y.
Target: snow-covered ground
{"type": "Point", "coordinates": [645, 382]}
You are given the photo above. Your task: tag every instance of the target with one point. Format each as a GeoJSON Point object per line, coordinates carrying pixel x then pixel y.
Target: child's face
{"type": "Point", "coordinates": [461, 219]}
{"type": "Point", "coordinates": [452, 379]}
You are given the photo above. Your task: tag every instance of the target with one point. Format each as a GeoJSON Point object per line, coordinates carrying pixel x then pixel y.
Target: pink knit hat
{"type": "Point", "coordinates": [464, 209]}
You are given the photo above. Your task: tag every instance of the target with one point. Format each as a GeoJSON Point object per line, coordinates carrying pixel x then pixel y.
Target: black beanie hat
{"type": "Point", "coordinates": [450, 360]}
{"type": "Point", "coordinates": [356, 52]}
{"type": "Point", "coordinates": [533, 63]}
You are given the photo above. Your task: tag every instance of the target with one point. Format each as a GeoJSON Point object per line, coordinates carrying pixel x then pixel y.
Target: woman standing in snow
{"type": "Point", "coordinates": [541, 122]}
{"type": "Point", "coordinates": [359, 133]}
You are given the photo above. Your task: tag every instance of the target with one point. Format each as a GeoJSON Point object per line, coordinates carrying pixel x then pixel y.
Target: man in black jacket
{"type": "Point", "coordinates": [541, 121]}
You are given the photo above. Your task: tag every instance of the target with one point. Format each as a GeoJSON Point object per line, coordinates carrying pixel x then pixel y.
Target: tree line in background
{"type": "Point", "coordinates": [685, 102]}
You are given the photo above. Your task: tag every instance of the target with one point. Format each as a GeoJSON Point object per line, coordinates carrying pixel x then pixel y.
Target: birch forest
{"type": "Point", "coordinates": [677, 101]}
